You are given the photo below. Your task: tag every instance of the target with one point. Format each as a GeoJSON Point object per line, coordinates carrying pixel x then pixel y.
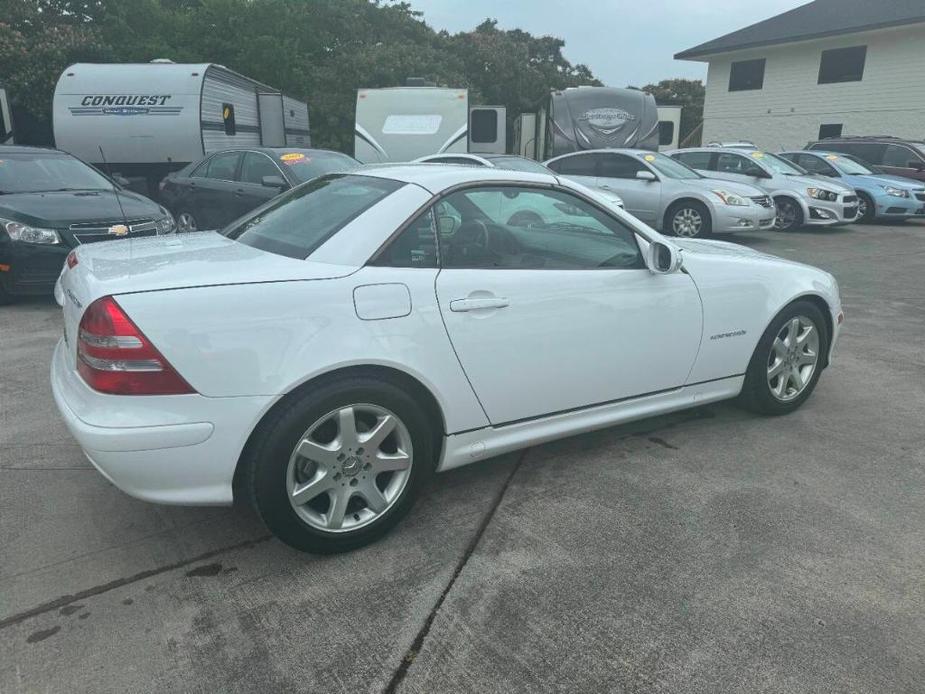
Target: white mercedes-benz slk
{"type": "Point", "coordinates": [324, 355]}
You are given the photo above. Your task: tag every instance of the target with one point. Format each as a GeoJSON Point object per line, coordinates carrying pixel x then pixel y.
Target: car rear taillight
{"type": "Point", "coordinates": [72, 260]}
{"type": "Point", "coordinates": [114, 356]}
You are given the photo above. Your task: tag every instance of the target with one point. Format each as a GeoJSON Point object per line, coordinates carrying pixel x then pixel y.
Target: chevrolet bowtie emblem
{"type": "Point", "coordinates": [118, 230]}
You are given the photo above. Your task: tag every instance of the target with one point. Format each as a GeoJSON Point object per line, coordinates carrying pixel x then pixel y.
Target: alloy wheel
{"type": "Point", "coordinates": [186, 222]}
{"type": "Point", "coordinates": [786, 215]}
{"type": "Point", "coordinates": [349, 468]}
{"type": "Point", "coordinates": [862, 207]}
{"type": "Point", "coordinates": [687, 222]}
{"type": "Point", "coordinates": [793, 359]}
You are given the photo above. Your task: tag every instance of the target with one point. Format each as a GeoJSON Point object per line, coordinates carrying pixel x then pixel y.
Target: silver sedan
{"type": "Point", "coordinates": [668, 195]}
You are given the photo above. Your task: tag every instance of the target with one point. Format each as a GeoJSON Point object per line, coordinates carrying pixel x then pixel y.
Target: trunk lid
{"type": "Point", "coordinates": [177, 261]}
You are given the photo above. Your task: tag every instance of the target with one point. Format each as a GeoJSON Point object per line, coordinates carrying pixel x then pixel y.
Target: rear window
{"type": "Point", "coordinates": [519, 164]}
{"type": "Point", "coordinates": [308, 164]}
{"type": "Point", "coordinates": [296, 223]}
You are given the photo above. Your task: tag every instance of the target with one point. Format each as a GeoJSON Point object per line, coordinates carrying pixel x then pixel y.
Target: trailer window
{"type": "Point", "coordinates": [665, 132]}
{"type": "Point", "coordinates": [483, 125]}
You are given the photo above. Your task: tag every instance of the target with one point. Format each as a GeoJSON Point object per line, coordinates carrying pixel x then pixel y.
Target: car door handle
{"type": "Point", "coordinates": [478, 304]}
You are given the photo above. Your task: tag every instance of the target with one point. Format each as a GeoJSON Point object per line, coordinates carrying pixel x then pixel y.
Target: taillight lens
{"type": "Point", "coordinates": [114, 356]}
{"type": "Point", "coordinates": [72, 259]}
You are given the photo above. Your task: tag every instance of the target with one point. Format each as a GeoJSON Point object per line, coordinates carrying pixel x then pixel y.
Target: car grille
{"type": "Point", "coordinates": [920, 196]}
{"type": "Point", "coordinates": [762, 200]}
{"type": "Point", "coordinates": [849, 199]}
{"type": "Point", "coordinates": [91, 232]}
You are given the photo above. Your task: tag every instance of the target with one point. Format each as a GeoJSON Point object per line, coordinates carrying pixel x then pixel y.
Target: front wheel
{"type": "Point", "coordinates": [341, 465]}
{"type": "Point", "coordinates": [789, 215]}
{"type": "Point", "coordinates": [689, 220]}
{"type": "Point", "coordinates": [788, 360]}
{"type": "Point", "coordinates": [187, 222]}
{"type": "Point", "coordinates": [866, 208]}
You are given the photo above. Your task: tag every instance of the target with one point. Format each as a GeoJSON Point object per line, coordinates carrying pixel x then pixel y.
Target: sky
{"type": "Point", "coordinates": [624, 42]}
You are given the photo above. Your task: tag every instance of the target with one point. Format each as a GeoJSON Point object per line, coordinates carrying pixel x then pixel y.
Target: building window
{"type": "Point", "coordinates": [665, 132]}
{"type": "Point", "coordinates": [746, 74]}
{"type": "Point", "coordinates": [829, 130]}
{"type": "Point", "coordinates": [842, 65]}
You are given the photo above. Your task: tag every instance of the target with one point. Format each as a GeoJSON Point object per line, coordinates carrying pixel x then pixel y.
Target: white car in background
{"type": "Point", "coordinates": [799, 198]}
{"type": "Point", "coordinates": [327, 353]}
{"type": "Point", "coordinates": [666, 194]}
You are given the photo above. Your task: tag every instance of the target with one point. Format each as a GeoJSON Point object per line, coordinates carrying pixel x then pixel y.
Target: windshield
{"type": "Point", "coordinates": [669, 167]}
{"type": "Point", "coordinates": [308, 164]}
{"type": "Point", "coordinates": [40, 172]}
{"type": "Point", "coordinates": [518, 164]}
{"type": "Point", "coordinates": [778, 165]}
{"type": "Point", "coordinates": [296, 223]}
{"type": "Point", "coordinates": [848, 165]}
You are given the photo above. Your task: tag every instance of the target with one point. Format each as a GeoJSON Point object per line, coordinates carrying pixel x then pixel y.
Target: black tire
{"type": "Point", "coordinates": [866, 204]}
{"type": "Point", "coordinates": [756, 393]}
{"type": "Point", "coordinates": [267, 458]}
{"type": "Point", "coordinates": [683, 207]}
{"type": "Point", "coordinates": [789, 214]}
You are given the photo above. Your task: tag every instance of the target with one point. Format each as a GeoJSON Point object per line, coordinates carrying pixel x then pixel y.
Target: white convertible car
{"type": "Point", "coordinates": [326, 354]}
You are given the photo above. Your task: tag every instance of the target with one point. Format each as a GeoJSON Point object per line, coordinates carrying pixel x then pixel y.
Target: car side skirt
{"type": "Point", "coordinates": [470, 446]}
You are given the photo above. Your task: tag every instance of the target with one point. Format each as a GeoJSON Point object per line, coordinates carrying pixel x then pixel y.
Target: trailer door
{"type": "Point", "coordinates": [272, 130]}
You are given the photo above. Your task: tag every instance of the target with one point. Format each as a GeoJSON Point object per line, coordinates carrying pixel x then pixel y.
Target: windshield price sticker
{"type": "Point", "coordinates": [832, 157]}
{"type": "Point", "coordinates": [649, 157]}
{"type": "Point", "coordinates": [758, 155]}
{"type": "Point", "coordinates": [292, 158]}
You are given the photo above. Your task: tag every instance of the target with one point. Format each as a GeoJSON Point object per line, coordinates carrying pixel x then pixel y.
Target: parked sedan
{"type": "Point", "coordinates": [49, 203]}
{"type": "Point", "coordinates": [666, 194]}
{"type": "Point", "coordinates": [880, 196]}
{"type": "Point", "coordinates": [352, 337]}
{"type": "Point", "coordinates": [214, 191]}
{"type": "Point", "coordinates": [799, 198]}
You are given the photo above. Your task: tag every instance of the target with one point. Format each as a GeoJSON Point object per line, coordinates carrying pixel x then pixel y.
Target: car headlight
{"type": "Point", "coordinates": [166, 224]}
{"type": "Point", "coordinates": [26, 234]}
{"type": "Point", "coordinates": [822, 194]}
{"type": "Point", "coordinates": [730, 198]}
{"type": "Point", "coordinates": [895, 192]}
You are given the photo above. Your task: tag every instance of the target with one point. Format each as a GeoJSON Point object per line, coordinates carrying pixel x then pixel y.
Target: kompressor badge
{"type": "Point", "coordinates": [607, 120]}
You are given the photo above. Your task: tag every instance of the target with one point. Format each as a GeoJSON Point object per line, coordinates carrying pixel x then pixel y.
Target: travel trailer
{"type": "Point", "coordinates": [153, 118]}
{"type": "Point", "coordinates": [577, 118]}
{"type": "Point", "coordinates": [6, 118]}
{"type": "Point", "coordinates": [398, 124]}
{"type": "Point", "coordinates": [669, 127]}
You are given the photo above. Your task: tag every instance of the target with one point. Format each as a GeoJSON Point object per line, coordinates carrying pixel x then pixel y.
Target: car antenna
{"type": "Point", "coordinates": [115, 188]}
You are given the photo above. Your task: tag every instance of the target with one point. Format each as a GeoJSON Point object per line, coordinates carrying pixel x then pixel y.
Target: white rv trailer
{"type": "Point", "coordinates": [398, 124]}
{"type": "Point", "coordinates": [295, 123]}
{"type": "Point", "coordinates": [6, 119]}
{"type": "Point", "coordinates": [669, 127]}
{"type": "Point", "coordinates": [154, 118]}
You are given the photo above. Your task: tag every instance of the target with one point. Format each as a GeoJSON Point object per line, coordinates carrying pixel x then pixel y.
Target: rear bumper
{"type": "Point", "coordinates": [178, 449]}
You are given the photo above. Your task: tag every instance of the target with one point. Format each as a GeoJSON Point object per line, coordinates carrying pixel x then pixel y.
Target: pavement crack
{"type": "Point", "coordinates": [399, 675]}
{"type": "Point", "coordinates": [60, 602]}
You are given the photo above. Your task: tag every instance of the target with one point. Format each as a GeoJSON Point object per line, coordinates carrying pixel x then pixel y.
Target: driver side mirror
{"type": "Point", "coordinates": [663, 259]}
{"type": "Point", "coordinates": [121, 180]}
{"type": "Point", "coordinates": [446, 225]}
{"type": "Point", "coordinates": [274, 182]}
{"type": "Point", "coordinates": [646, 176]}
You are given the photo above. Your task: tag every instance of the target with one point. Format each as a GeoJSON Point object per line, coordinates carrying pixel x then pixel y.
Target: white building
{"type": "Point", "coordinates": [828, 68]}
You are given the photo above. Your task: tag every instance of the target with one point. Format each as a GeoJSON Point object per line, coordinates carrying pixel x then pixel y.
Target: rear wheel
{"type": "Point", "coordinates": [866, 208]}
{"type": "Point", "coordinates": [186, 222]}
{"type": "Point", "coordinates": [341, 465]}
{"type": "Point", "coordinates": [788, 360]}
{"type": "Point", "coordinates": [688, 219]}
{"type": "Point", "coordinates": [789, 214]}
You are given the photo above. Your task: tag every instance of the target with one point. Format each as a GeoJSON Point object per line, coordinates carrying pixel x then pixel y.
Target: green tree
{"type": "Point", "coordinates": [689, 94]}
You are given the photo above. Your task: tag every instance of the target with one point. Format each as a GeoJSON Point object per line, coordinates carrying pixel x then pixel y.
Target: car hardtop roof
{"type": "Point", "coordinates": [439, 178]}
{"type": "Point", "coordinates": [278, 150]}
{"type": "Point", "coordinates": [607, 150]}
{"type": "Point", "coordinates": [26, 149]}
{"type": "Point", "coordinates": [729, 150]}
{"type": "Point", "coordinates": [861, 138]}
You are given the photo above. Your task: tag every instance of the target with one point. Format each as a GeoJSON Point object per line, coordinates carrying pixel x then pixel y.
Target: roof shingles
{"type": "Point", "coordinates": [814, 20]}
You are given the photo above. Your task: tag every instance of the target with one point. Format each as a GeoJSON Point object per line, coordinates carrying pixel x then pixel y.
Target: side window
{"type": "Point", "coordinates": [732, 163]}
{"type": "Point", "coordinates": [814, 165]}
{"type": "Point", "coordinates": [695, 160]}
{"type": "Point", "coordinates": [899, 156]}
{"type": "Point", "coordinates": [868, 151]}
{"type": "Point", "coordinates": [416, 246]}
{"type": "Point", "coordinates": [256, 166]}
{"type": "Point", "coordinates": [578, 165]}
{"type": "Point", "coordinates": [223, 166]}
{"type": "Point", "coordinates": [201, 170]}
{"type": "Point", "coordinates": [618, 166]}
{"type": "Point", "coordinates": [528, 229]}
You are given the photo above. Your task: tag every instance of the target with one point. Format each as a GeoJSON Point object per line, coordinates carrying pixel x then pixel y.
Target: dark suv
{"type": "Point", "coordinates": [892, 155]}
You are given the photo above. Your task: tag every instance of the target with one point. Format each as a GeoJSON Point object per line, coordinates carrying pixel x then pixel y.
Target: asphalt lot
{"type": "Point", "coordinates": [708, 551]}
